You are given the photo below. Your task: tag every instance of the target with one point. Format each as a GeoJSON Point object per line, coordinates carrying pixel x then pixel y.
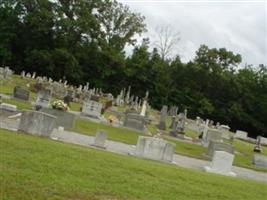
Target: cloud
{"type": "Point", "coordinates": [239, 26]}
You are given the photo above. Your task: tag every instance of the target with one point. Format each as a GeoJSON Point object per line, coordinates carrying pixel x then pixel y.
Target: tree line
{"type": "Point", "coordinates": [84, 41]}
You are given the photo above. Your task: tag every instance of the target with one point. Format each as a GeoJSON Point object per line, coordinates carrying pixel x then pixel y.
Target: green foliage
{"type": "Point", "coordinates": [38, 168]}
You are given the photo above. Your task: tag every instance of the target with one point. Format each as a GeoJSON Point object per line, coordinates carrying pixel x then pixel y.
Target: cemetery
{"type": "Point", "coordinates": [82, 118]}
{"type": "Point", "coordinates": [156, 139]}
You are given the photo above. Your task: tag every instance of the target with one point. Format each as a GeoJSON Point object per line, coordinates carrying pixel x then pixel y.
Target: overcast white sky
{"type": "Point", "coordinates": [239, 26]}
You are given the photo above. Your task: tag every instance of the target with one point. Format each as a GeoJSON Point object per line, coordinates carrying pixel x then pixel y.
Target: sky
{"type": "Point", "coordinates": [239, 26]}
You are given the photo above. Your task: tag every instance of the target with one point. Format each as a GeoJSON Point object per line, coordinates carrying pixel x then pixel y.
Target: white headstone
{"type": "Point", "coordinates": [241, 134]}
{"type": "Point", "coordinates": [92, 108]}
{"type": "Point", "coordinates": [8, 107]}
{"type": "Point", "coordinates": [221, 163]}
{"type": "Point", "coordinates": [143, 110]}
{"type": "Point", "coordinates": [155, 149]}
{"type": "Point", "coordinates": [100, 139]}
{"type": "Point", "coordinates": [263, 140]}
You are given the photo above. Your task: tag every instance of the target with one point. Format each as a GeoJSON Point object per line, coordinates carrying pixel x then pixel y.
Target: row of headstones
{"type": "Point", "coordinates": [214, 141]}
{"type": "Point", "coordinates": [135, 102]}
{"type": "Point", "coordinates": [177, 125]}
{"type": "Point", "coordinates": [5, 73]}
{"type": "Point", "coordinates": [43, 96]}
{"type": "Point", "coordinates": [61, 88]}
{"type": "Point", "coordinates": [225, 129]}
{"type": "Point", "coordinates": [42, 124]}
{"type": "Point", "coordinates": [133, 120]}
{"type": "Point", "coordinates": [223, 132]}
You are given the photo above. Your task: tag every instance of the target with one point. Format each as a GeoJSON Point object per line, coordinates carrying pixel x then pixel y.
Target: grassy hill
{"type": "Point", "coordinates": [38, 168]}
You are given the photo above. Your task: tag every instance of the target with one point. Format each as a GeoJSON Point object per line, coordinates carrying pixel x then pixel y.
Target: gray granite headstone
{"type": "Point", "coordinates": [162, 121]}
{"type": "Point", "coordinates": [134, 121]}
{"type": "Point", "coordinates": [64, 118]}
{"type": "Point", "coordinates": [212, 134]}
{"type": "Point", "coordinates": [37, 123]}
{"type": "Point", "coordinates": [260, 160]}
{"type": "Point", "coordinates": [21, 93]}
{"type": "Point", "coordinates": [241, 134]}
{"type": "Point", "coordinates": [221, 163]}
{"type": "Point", "coordinates": [155, 149]}
{"type": "Point", "coordinates": [219, 146]}
{"type": "Point", "coordinates": [43, 98]}
{"type": "Point", "coordinates": [100, 139]}
{"type": "Point", "coordinates": [59, 90]}
{"type": "Point", "coordinates": [92, 108]}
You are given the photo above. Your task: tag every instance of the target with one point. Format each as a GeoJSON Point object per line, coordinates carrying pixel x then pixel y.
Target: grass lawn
{"type": "Point", "coordinates": [75, 106]}
{"type": "Point", "coordinates": [39, 168]}
{"type": "Point", "coordinates": [117, 134]}
{"type": "Point", "coordinates": [187, 149]}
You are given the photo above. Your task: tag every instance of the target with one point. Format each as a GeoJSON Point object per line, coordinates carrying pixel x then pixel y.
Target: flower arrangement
{"type": "Point", "coordinates": [111, 119]}
{"type": "Point", "coordinates": [59, 105]}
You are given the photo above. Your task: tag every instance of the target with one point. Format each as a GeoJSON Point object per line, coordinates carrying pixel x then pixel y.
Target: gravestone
{"type": "Point", "coordinates": [173, 121]}
{"type": "Point", "coordinates": [241, 134]}
{"type": "Point", "coordinates": [263, 140]}
{"type": "Point", "coordinates": [22, 74]}
{"type": "Point", "coordinates": [28, 75]}
{"type": "Point", "coordinates": [33, 75]}
{"type": "Point", "coordinates": [21, 93]}
{"type": "Point", "coordinates": [162, 121]}
{"type": "Point", "coordinates": [173, 127]}
{"type": "Point", "coordinates": [144, 108]}
{"type": "Point", "coordinates": [64, 119]}
{"type": "Point", "coordinates": [100, 139]}
{"type": "Point", "coordinates": [8, 107]}
{"type": "Point", "coordinates": [134, 121]}
{"type": "Point", "coordinates": [221, 163]}
{"type": "Point", "coordinates": [226, 134]}
{"type": "Point", "coordinates": [94, 98]}
{"type": "Point", "coordinates": [219, 146]}
{"type": "Point", "coordinates": [198, 121]}
{"type": "Point", "coordinates": [92, 108]}
{"type": "Point", "coordinates": [212, 134]}
{"type": "Point", "coordinates": [67, 100]}
{"type": "Point", "coordinates": [155, 149]}
{"type": "Point", "coordinates": [37, 123]}
{"type": "Point", "coordinates": [5, 73]}
{"type": "Point", "coordinates": [257, 147]}
{"type": "Point", "coordinates": [173, 111]}
{"type": "Point", "coordinates": [43, 98]}
{"type": "Point", "coordinates": [260, 160]}
{"type": "Point", "coordinates": [59, 90]}
{"type": "Point", "coordinates": [181, 123]}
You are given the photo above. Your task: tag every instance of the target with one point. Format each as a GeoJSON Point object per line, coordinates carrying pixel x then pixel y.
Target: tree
{"type": "Point", "coordinates": [118, 24]}
{"type": "Point", "coordinates": [167, 41]}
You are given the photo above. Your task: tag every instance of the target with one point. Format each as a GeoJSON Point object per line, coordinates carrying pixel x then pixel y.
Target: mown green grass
{"type": "Point", "coordinates": [187, 149]}
{"type": "Point", "coordinates": [75, 106]}
{"type": "Point", "coordinates": [38, 168]}
{"type": "Point", "coordinates": [117, 134]}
